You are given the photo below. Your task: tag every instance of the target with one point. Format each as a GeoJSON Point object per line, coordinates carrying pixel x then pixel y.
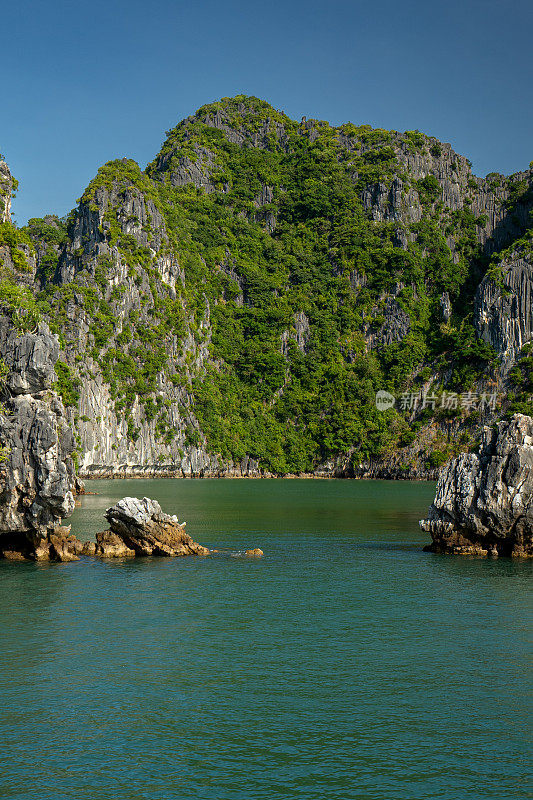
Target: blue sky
{"type": "Point", "coordinates": [83, 83]}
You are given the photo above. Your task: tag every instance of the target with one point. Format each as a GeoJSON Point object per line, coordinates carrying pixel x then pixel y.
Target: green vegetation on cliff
{"type": "Point", "coordinates": [17, 298]}
{"type": "Point", "coordinates": [314, 265]}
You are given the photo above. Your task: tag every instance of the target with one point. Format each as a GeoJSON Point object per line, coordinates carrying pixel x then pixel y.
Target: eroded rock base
{"type": "Point", "coordinates": [57, 544]}
{"type": "Point", "coordinates": [454, 542]}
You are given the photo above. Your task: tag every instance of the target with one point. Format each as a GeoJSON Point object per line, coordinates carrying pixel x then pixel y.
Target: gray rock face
{"type": "Point", "coordinates": [185, 170]}
{"type": "Point", "coordinates": [88, 234]}
{"type": "Point", "coordinates": [446, 306]}
{"type": "Point", "coordinates": [132, 511]}
{"type": "Point", "coordinates": [6, 185]}
{"type": "Point", "coordinates": [37, 476]}
{"type": "Point", "coordinates": [140, 527]}
{"type": "Point", "coordinates": [300, 334]}
{"type": "Point", "coordinates": [504, 308]}
{"type": "Point", "coordinates": [30, 358]}
{"type": "Point", "coordinates": [487, 199]}
{"type": "Point", "coordinates": [106, 447]}
{"type": "Point", "coordinates": [484, 502]}
{"type": "Point", "coordinates": [396, 324]}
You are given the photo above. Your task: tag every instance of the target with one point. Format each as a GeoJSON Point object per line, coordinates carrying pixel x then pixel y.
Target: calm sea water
{"type": "Point", "coordinates": [344, 665]}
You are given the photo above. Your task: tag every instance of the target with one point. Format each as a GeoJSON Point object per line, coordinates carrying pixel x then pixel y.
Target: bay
{"type": "Point", "coordinates": [344, 664]}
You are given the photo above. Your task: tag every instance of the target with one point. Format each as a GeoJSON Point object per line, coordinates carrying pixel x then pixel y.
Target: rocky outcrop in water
{"type": "Point", "coordinates": [121, 232]}
{"type": "Point", "coordinates": [37, 473]}
{"type": "Point", "coordinates": [55, 544]}
{"type": "Point", "coordinates": [484, 502]}
{"type": "Point", "coordinates": [141, 528]}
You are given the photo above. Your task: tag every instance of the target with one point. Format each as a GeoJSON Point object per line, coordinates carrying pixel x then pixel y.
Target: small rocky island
{"type": "Point", "coordinates": [141, 528]}
{"type": "Point", "coordinates": [484, 502]}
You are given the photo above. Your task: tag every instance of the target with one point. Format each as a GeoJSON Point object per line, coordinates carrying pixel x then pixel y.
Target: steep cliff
{"type": "Point", "coordinates": [235, 307]}
{"type": "Point", "coordinates": [504, 302]}
{"type": "Point", "coordinates": [129, 352]}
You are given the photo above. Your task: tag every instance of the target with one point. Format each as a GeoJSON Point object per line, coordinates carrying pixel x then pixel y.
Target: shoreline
{"type": "Point", "coordinates": [171, 475]}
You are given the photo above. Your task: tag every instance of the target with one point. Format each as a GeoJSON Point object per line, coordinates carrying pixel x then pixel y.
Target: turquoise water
{"type": "Point", "coordinates": [345, 665]}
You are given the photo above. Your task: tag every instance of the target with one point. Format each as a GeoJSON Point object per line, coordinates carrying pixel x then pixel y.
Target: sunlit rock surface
{"type": "Point", "coordinates": [484, 502]}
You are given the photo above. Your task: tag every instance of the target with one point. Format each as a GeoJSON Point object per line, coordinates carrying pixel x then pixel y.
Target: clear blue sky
{"type": "Point", "coordinates": [85, 82]}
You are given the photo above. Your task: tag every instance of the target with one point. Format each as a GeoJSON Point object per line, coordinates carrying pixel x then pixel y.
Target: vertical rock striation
{"type": "Point", "coordinates": [504, 307]}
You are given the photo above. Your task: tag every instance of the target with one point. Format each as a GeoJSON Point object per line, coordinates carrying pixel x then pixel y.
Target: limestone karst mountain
{"type": "Point", "coordinates": [236, 306]}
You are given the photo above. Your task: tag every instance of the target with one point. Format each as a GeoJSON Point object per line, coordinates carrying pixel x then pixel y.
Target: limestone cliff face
{"type": "Point", "coordinates": [36, 469]}
{"type": "Point", "coordinates": [500, 215]}
{"type": "Point", "coordinates": [484, 502]}
{"type": "Point", "coordinates": [170, 440]}
{"type": "Point", "coordinates": [159, 438]}
{"type": "Point", "coordinates": [89, 235]}
{"type": "Point", "coordinates": [6, 187]}
{"type": "Point", "coordinates": [37, 473]}
{"type": "Point", "coordinates": [504, 307]}
{"type": "Point", "coordinates": [499, 218]}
